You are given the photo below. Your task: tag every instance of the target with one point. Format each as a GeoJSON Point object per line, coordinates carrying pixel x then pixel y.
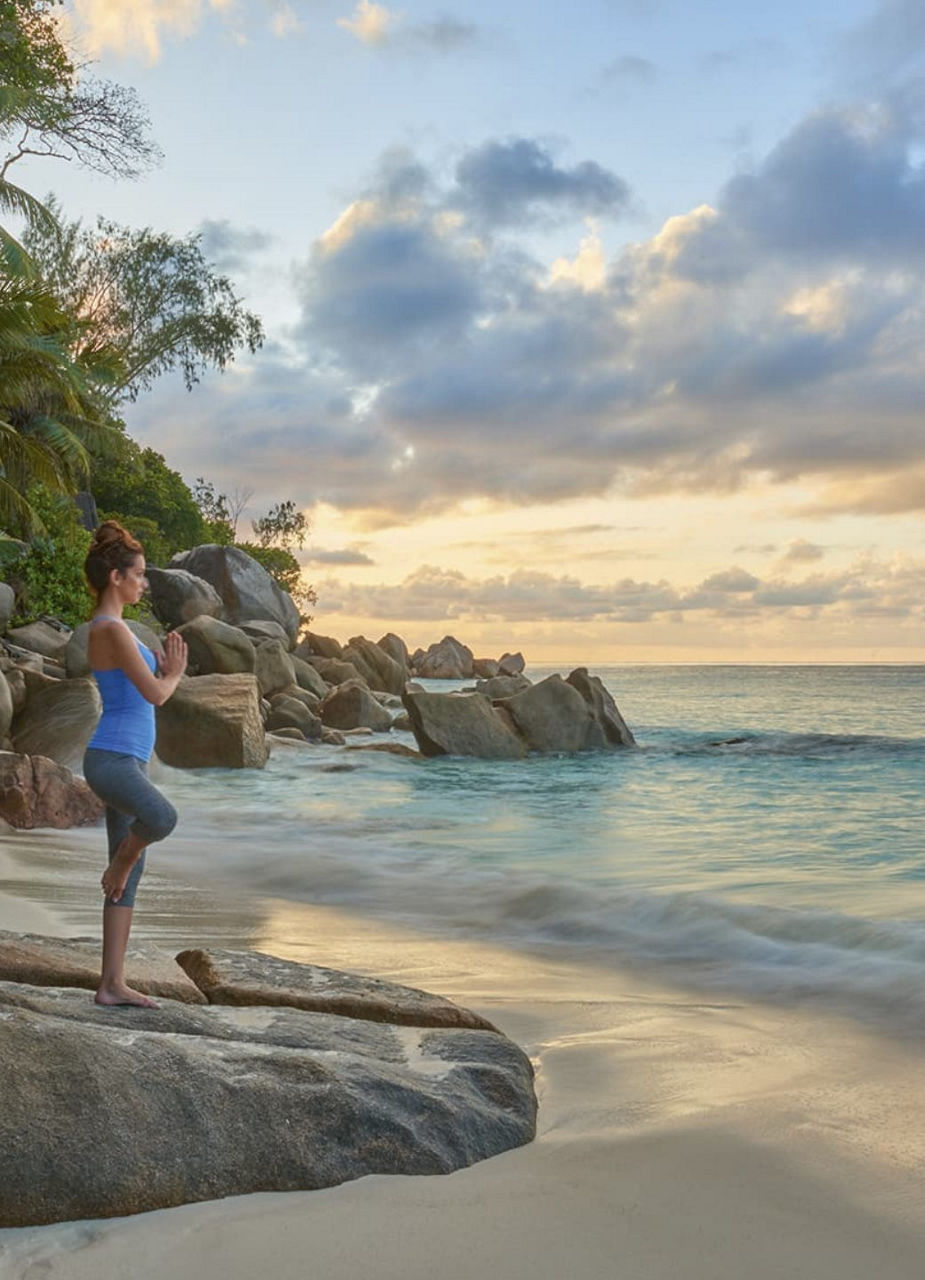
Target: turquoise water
{"type": "Point", "coordinates": [765, 838]}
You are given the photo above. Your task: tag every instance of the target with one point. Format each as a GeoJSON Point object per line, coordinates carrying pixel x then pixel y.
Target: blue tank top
{"type": "Point", "coordinates": [127, 723]}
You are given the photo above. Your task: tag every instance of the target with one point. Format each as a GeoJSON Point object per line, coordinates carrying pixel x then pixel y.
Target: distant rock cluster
{"type": "Point", "coordinates": [252, 684]}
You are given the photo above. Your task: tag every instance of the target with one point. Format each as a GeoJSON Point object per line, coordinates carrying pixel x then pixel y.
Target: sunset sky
{"type": "Point", "coordinates": [593, 330]}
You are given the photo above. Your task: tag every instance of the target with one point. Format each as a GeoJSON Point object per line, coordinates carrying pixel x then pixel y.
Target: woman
{"type": "Point", "coordinates": [132, 682]}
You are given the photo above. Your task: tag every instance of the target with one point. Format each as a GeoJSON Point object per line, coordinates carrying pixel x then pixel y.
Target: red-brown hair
{"type": "Point", "coordinates": [113, 547]}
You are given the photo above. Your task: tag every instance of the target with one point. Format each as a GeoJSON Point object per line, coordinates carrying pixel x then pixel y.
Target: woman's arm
{"type": "Point", "coordinates": [121, 651]}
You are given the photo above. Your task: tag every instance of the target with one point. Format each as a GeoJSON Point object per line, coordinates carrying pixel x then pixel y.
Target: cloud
{"type": "Point", "coordinates": [868, 588]}
{"type": "Point", "coordinates": [800, 551]}
{"type": "Point", "coordinates": [344, 556]}
{"type": "Point", "coordinates": [371, 23]}
{"type": "Point", "coordinates": [629, 71]}
{"type": "Point", "coordinates": [139, 27]}
{"type": "Point", "coordinates": [228, 247]}
{"type": "Point", "coordinates": [507, 183]}
{"type": "Point", "coordinates": [887, 47]}
{"type": "Point", "coordinates": [446, 34]}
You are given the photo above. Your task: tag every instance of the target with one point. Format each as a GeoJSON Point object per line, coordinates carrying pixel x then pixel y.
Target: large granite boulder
{"type": "Point", "coordinates": [314, 646]}
{"type": "Point", "coordinates": [375, 666]}
{"type": "Point", "coordinates": [460, 725]}
{"type": "Point", "coordinates": [75, 962]}
{"type": "Point", "coordinates": [75, 655]}
{"type": "Point", "coordinates": [553, 716]}
{"type": "Point", "coordinates": [274, 669]}
{"type": "Point", "coordinates": [613, 729]}
{"type": "Point", "coordinates": [178, 596]}
{"type": "Point", "coordinates": [58, 720]}
{"type": "Point", "coordinates": [217, 648]}
{"type": "Point", "coordinates": [7, 605]}
{"type": "Point", "coordinates": [502, 686]}
{"type": "Point", "coordinates": [16, 683]}
{"type": "Point", "coordinates": [287, 712]}
{"type": "Point", "coordinates": [446, 660]}
{"type": "Point", "coordinates": [485, 668]}
{"type": "Point", "coordinates": [352, 706]}
{"type": "Point", "coordinates": [44, 637]}
{"type": "Point", "coordinates": [335, 671]}
{"type": "Point", "coordinates": [37, 792]}
{"type": "Point", "coordinates": [306, 677]}
{"type": "Point", "coordinates": [247, 590]}
{"type": "Point", "coordinates": [263, 629]}
{"type": "Point", "coordinates": [108, 1112]}
{"type": "Point", "coordinates": [212, 722]}
{"type": "Point", "coordinates": [396, 648]}
{"type": "Point", "coordinates": [511, 664]}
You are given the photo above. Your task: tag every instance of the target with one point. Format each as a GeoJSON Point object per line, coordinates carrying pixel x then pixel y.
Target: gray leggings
{"type": "Point", "coordinates": [132, 803]}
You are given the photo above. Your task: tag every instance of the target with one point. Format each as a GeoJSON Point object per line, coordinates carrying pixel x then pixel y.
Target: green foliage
{"type": "Point", "coordinates": [151, 297]}
{"type": "Point", "coordinates": [148, 533]}
{"type": "Point", "coordinates": [141, 485]}
{"type": "Point", "coordinates": [285, 571]}
{"type": "Point", "coordinates": [49, 577]}
{"type": "Point", "coordinates": [213, 507]}
{"type": "Point", "coordinates": [282, 526]}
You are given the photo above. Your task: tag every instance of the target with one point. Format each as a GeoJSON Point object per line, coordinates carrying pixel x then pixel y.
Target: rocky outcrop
{"type": "Point", "coordinates": [58, 720]}
{"type": "Point", "coordinates": [261, 630]}
{"type": "Point", "coordinates": [75, 655]}
{"type": "Point", "coordinates": [375, 666]}
{"type": "Point", "coordinates": [247, 591]}
{"type": "Point", "coordinates": [446, 660]}
{"type": "Point", "coordinates": [212, 722]}
{"type": "Point", "coordinates": [334, 671]}
{"type": "Point", "coordinates": [314, 646]}
{"type": "Point", "coordinates": [306, 677]}
{"type": "Point", "coordinates": [553, 716]}
{"type": "Point", "coordinates": [287, 712]}
{"type": "Point", "coordinates": [352, 706]}
{"type": "Point", "coordinates": [274, 669]}
{"type": "Point", "coordinates": [614, 731]}
{"type": "Point", "coordinates": [41, 637]}
{"type": "Point", "coordinates": [16, 683]}
{"type": "Point", "coordinates": [6, 706]}
{"type": "Point", "coordinates": [178, 596]}
{"type": "Point", "coordinates": [396, 648]}
{"type": "Point", "coordinates": [484, 668]}
{"type": "Point", "coordinates": [391, 749]}
{"type": "Point", "coordinates": [217, 648]}
{"type": "Point", "coordinates": [186, 1103]}
{"type": "Point", "coordinates": [511, 664]}
{"type": "Point", "coordinates": [37, 792]}
{"type": "Point", "coordinates": [75, 962]}
{"type": "Point", "coordinates": [460, 725]}
{"type": "Point", "coordinates": [502, 686]}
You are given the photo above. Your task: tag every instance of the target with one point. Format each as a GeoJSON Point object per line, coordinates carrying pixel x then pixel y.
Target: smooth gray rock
{"type": "Point", "coordinates": [111, 1112]}
{"type": "Point", "coordinates": [291, 713]}
{"type": "Point", "coordinates": [502, 686]}
{"type": "Point", "coordinates": [460, 725]}
{"type": "Point", "coordinates": [396, 648]}
{"type": "Point", "coordinates": [16, 683]}
{"type": "Point", "coordinates": [553, 716]}
{"type": "Point", "coordinates": [262, 629]}
{"type": "Point", "coordinates": [485, 668]}
{"type": "Point", "coordinates": [37, 792]}
{"type": "Point", "coordinates": [306, 677]}
{"type": "Point", "coordinates": [217, 648]}
{"type": "Point", "coordinates": [75, 655]}
{"type": "Point", "coordinates": [7, 604]}
{"type": "Point", "coordinates": [614, 731]}
{"type": "Point", "coordinates": [41, 637]}
{"type": "Point", "coordinates": [511, 664]}
{"type": "Point", "coordinates": [212, 722]}
{"type": "Point", "coordinates": [375, 666]}
{"type": "Point", "coordinates": [178, 596]}
{"type": "Point", "coordinates": [273, 667]}
{"type": "Point", "coordinates": [75, 962]}
{"type": "Point", "coordinates": [446, 660]}
{"type": "Point", "coordinates": [6, 706]}
{"type": "Point", "coordinates": [314, 646]}
{"type": "Point", "coordinates": [307, 699]}
{"type": "Point", "coordinates": [58, 720]}
{"type": "Point", "coordinates": [335, 671]}
{"type": "Point", "coordinates": [351, 706]}
{"type": "Point", "coordinates": [248, 592]}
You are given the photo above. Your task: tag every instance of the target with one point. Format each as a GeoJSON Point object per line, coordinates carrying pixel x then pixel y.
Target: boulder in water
{"type": "Point", "coordinates": [212, 722]}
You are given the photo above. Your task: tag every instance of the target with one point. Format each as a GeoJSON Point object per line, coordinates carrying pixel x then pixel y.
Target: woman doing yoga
{"type": "Point", "coordinates": [132, 682]}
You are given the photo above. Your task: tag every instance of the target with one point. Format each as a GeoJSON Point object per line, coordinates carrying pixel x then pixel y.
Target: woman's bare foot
{"type": "Point", "coordinates": [117, 873]}
{"type": "Point", "coordinates": [121, 994]}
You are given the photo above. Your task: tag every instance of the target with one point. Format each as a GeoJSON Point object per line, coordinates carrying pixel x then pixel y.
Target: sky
{"type": "Point", "coordinates": [592, 330]}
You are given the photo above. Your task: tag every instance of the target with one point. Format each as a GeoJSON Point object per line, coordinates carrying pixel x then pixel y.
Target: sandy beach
{"type": "Point", "coordinates": [677, 1137]}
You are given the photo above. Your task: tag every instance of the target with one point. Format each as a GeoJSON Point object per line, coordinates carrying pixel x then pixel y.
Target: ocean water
{"type": "Point", "coordinates": [767, 838]}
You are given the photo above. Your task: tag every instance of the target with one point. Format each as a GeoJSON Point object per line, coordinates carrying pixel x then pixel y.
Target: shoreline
{"type": "Point", "coordinates": [678, 1136]}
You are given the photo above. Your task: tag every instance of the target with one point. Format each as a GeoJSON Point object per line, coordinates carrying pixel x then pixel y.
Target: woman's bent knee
{"type": "Point", "coordinates": [157, 823]}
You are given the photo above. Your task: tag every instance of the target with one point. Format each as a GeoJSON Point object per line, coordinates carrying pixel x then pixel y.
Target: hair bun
{"type": "Point", "coordinates": [111, 533]}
